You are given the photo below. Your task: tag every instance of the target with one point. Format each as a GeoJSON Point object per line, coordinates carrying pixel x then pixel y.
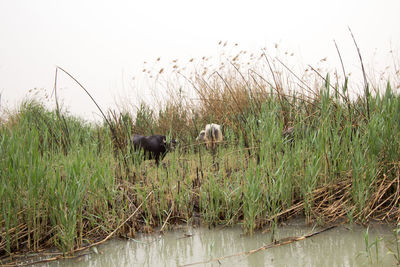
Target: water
{"type": "Point", "coordinates": [341, 246]}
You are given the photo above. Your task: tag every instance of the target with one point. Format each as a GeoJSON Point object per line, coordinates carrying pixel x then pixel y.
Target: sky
{"type": "Point", "coordinates": [104, 44]}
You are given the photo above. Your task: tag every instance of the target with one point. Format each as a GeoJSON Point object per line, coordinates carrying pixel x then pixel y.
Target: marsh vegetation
{"type": "Point", "coordinates": [70, 184]}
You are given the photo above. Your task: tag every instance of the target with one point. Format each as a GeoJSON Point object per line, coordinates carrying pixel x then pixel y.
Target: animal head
{"type": "Point", "coordinates": [169, 143]}
{"type": "Point", "coordinates": [201, 136]}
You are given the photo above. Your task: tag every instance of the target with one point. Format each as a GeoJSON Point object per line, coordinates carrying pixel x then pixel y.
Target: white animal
{"type": "Point", "coordinates": [211, 135]}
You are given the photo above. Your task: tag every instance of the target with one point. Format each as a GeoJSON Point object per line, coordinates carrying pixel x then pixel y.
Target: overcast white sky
{"type": "Point", "coordinates": [104, 43]}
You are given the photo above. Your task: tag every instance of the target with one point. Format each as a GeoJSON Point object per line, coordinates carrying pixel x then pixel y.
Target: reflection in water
{"type": "Point", "coordinates": [337, 247]}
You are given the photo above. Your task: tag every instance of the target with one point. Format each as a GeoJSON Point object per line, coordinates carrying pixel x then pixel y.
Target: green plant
{"type": "Point", "coordinates": [396, 253]}
{"type": "Point", "coordinates": [368, 246]}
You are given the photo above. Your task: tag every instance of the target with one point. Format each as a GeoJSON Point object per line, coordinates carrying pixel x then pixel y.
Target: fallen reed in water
{"type": "Point", "coordinates": [69, 184]}
{"type": "Point", "coordinates": [276, 243]}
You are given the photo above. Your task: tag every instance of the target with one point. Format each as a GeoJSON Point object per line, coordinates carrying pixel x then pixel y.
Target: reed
{"type": "Point", "coordinates": [68, 183]}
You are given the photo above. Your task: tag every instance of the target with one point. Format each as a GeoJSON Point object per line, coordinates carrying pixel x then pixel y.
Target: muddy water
{"type": "Point", "coordinates": [341, 246]}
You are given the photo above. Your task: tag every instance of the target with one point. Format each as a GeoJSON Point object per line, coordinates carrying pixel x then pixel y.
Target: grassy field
{"type": "Point", "coordinates": [67, 183]}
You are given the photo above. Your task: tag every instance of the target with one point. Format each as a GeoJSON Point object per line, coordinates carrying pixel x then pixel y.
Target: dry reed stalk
{"type": "Point", "coordinates": [331, 203]}
{"type": "Point", "coordinates": [169, 214]}
{"type": "Point", "coordinates": [311, 91]}
{"type": "Point", "coordinates": [23, 263]}
{"type": "Point", "coordinates": [379, 195]}
{"type": "Point", "coordinates": [87, 92]}
{"type": "Point", "coordinates": [363, 71]}
{"type": "Point", "coordinates": [278, 243]}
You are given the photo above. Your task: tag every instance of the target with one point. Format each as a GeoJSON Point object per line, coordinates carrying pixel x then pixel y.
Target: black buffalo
{"type": "Point", "coordinates": [154, 147]}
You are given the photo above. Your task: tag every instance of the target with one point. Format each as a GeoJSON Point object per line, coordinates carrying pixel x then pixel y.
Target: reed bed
{"type": "Point", "coordinates": [69, 184]}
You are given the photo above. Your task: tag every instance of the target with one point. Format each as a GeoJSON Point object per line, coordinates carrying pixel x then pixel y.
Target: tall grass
{"type": "Point", "coordinates": [67, 183]}
{"type": "Point", "coordinates": [45, 192]}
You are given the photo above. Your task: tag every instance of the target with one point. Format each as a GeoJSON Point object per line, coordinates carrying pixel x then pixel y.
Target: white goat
{"type": "Point", "coordinates": [211, 135]}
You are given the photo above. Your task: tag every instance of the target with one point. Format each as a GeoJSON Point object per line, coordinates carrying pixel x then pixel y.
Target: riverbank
{"type": "Point", "coordinates": [69, 184]}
